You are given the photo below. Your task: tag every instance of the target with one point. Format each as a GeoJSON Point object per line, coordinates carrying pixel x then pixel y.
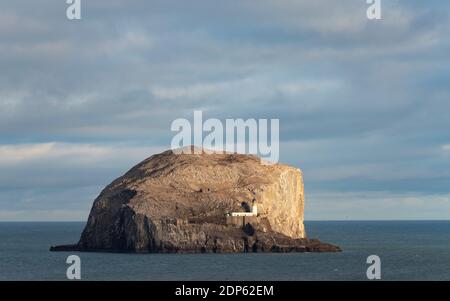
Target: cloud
{"type": "Point", "coordinates": [67, 165]}
{"type": "Point", "coordinates": [382, 205]}
{"type": "Point", "coordinates": [11, 154]}
{"type": "Point", "coordinates": [445, 147]}
{"type": "Point", "coordinates": [71, 153]}
{"type": "Point", "coordinates": [12, 23]}
{"type": "Point", "coordinates": [362, 105]}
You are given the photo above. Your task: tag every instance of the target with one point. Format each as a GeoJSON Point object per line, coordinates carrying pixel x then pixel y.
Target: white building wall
{"type": "Point", "coordinates": [253, 213]}
{"type": "Point", "coordinates": [241, 213]}
{"type": "Point", "coordinates": [255, 210]}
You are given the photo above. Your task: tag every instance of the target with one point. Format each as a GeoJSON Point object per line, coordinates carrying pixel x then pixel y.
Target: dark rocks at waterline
{"type": "Point", "coordinates": [183, 202]}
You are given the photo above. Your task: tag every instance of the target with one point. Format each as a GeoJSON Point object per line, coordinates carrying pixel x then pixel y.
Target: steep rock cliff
{"type": "Point", "coordinates": [179, 202]}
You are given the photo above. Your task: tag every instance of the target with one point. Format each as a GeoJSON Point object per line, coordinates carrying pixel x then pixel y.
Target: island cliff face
{"type": "Point", "coordinates": [182, 203]}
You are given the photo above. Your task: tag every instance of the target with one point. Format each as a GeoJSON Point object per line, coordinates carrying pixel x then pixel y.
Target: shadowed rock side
{"type": "Point", "coordinates": [179, 202]}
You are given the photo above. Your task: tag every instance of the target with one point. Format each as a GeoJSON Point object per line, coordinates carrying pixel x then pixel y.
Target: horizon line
{"type": "Point", "coordinates": [311, 220]}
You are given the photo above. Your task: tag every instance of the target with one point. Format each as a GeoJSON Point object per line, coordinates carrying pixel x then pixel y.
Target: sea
{"type": "Point", "coordinates": [408, 250]}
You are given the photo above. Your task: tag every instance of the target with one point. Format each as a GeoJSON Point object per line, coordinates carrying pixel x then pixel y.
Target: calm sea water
{"type": "Point", "coordinates": [409, 250]}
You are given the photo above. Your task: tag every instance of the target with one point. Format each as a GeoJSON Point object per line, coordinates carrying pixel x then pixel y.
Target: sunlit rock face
{"type": "Point", "coordinates": [180, 202]}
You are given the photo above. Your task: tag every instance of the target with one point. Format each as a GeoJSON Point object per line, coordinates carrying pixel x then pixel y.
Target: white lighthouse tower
{"type": "Point", "coordinates": [254, 209]}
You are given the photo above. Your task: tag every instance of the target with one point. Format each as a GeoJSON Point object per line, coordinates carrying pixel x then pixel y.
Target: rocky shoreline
{"type": "Point", "coordinates": [200, 203]}
{"type": "Point", "coordinates": [258, 243]}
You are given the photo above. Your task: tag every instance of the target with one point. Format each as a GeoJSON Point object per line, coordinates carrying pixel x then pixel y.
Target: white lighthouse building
{"type": "Point", "coordinates": [254, 211]}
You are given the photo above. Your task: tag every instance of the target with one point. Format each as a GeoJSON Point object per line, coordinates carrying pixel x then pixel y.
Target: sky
{"type": "Point", "coordinates": [363, 104]}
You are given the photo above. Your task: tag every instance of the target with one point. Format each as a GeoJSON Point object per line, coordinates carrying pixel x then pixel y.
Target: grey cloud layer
{"type": "Point", "coordinates": [362, 105]}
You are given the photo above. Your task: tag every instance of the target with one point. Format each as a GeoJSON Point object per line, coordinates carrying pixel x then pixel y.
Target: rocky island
{"type": "Point", "coordinates": [199, 203]}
